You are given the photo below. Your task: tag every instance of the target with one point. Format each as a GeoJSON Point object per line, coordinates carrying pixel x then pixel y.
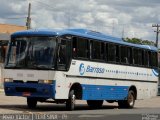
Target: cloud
{"type": "Point", "coordinates": [135, 18]}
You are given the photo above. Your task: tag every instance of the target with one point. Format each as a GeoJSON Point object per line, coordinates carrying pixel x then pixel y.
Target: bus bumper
{"type": "Point", "coordinates": [39, 90]}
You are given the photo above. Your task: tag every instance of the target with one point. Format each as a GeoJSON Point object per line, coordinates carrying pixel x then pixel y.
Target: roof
{"type": "Point", "coordinates": [4, 36]}
{"type": "Point", "coordinates": [9, 28]}
{"type": "Point", "coordinates": [80, 32]}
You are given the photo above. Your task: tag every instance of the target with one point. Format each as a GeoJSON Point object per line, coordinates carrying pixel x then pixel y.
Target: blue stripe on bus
{"type": "Point", "coordinates": [102, 92]}
{"type": "Point", "coordinates": [35, 89]}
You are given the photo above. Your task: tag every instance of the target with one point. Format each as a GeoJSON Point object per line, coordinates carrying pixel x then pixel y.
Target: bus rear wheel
{"type": "Point", "coordinates": [31, 103]}
{"type": "Point", "coordinates": [95, 103]}
{"type": "Point", "coordinates": [70, 103]}
{"type": "Point", "coordinates": [129, 103]}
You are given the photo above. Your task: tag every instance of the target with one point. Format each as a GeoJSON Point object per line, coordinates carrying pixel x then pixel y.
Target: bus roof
{"type": "Point", "coordinates": [80, 32]}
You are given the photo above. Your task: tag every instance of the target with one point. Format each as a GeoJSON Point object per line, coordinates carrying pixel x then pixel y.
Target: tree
{"type": "Point", "coordinates": [139, 41]}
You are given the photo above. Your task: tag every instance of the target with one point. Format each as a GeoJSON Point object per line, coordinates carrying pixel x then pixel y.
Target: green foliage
{"type": "Point", "coordinates": [139, 41]}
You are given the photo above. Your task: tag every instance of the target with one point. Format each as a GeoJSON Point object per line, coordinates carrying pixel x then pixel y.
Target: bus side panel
{"type": "Point", "coordinates": [102, 92]}
{"type": "Point", "coordinates": [62, 89]}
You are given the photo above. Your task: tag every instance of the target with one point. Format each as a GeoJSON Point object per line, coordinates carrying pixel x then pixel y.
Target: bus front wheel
{"type": "Point", "coordinates": [129, 103]}
{"type": "Point", "coordinates": [70, 103]}
{"type": "Point", "coordinates": [95, 103]}
{"type": "Point", "coordinates": [31, 103]}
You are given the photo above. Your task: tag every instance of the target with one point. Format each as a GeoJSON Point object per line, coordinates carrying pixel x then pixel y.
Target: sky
{"type": "Point", "coordinates": [120, 18]}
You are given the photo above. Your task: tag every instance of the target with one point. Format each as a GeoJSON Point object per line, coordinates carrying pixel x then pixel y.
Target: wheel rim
{"type": "Point", "coordinates": [131, 99]}
{"type": "Point", "coordinates": [73, 100]}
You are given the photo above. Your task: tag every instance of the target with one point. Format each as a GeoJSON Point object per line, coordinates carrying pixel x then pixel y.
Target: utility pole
{"type": "Point", "coordinates": [157, 32]}
{"type": "Point", "coordinates": [28, 23]}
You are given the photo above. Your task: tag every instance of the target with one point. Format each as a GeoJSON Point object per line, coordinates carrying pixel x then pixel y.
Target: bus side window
{"type": "Point", "coordinates": [62, 52]}
{"type": "Point", "coordinates": [82, 48]}
{"type": "Point", "coordinates": [130, 55]}
{"type": "Point", "coordinates": [146, 59]}
{"type": "Point", "coordinates": [117, 53]}
{"type": "Point", "coordinates": [124, 56]}
{"type": "Point", "coordinates": [154, 59]}
{"type": "Point", "coordinates": [135, 56]}
{"type": "Point", "coordinates": [111, 52]}
{"type": "Point", "coordinates": [140, 57]}
{"type": "Point", "coordinates": [74, 47]}
{"type": "Point", "coordinates": [102, 56]}
{"type": "Point", "coordinates": [143, 57]}
{"type": "Point", "coordinates": [97, 50]}
{"type": "Point", "coordinates": [106, 52]}
{"type": "Point", "coordinates": [150, 59]}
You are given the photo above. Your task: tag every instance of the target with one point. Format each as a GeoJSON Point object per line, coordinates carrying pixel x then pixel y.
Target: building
{"type": "Point", "coordinates": [9, 29]}
{"type": "Point", "coordinates": [5, 31]}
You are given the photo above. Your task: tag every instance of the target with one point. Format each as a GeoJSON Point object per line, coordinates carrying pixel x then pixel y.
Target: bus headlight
{"type": "Point", "coordinates": [8, 79]}
{"type": "Point", "coordinates": [45, 81]}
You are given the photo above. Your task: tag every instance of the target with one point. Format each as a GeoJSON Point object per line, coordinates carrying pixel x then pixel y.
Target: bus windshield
{"type": "Point", "coordinates": [31, 53]}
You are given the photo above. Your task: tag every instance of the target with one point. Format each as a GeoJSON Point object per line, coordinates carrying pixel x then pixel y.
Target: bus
{"type": "Point", "coordinates": [62, 66]}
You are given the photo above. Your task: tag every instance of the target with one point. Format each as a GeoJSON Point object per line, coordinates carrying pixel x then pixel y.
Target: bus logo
{"type": "Point", "coordinates": [81, 69]}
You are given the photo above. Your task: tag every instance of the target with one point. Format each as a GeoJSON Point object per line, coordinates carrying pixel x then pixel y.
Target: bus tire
{"type": "Point", "coordinates": [129, 103]}
{"type": "Point", "coordinates": [70, 103]}
{"type": "Point", "coordinates": [31, 103]}
{"type": "Point", "coordinates": [95, 104]}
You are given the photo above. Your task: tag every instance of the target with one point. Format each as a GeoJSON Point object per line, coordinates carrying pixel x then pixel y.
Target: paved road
{"type": "Point", "coordinates": [144, 109]}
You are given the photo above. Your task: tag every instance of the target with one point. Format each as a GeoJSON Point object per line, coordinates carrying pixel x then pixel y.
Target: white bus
{"type": "Point", "coordinates": [70, 64]}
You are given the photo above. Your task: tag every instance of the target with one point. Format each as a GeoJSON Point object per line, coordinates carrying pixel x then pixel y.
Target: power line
{"type": "Point", "coordinates": [15, 18]}
{"type": "Point", "coordinates": [44, 4]}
